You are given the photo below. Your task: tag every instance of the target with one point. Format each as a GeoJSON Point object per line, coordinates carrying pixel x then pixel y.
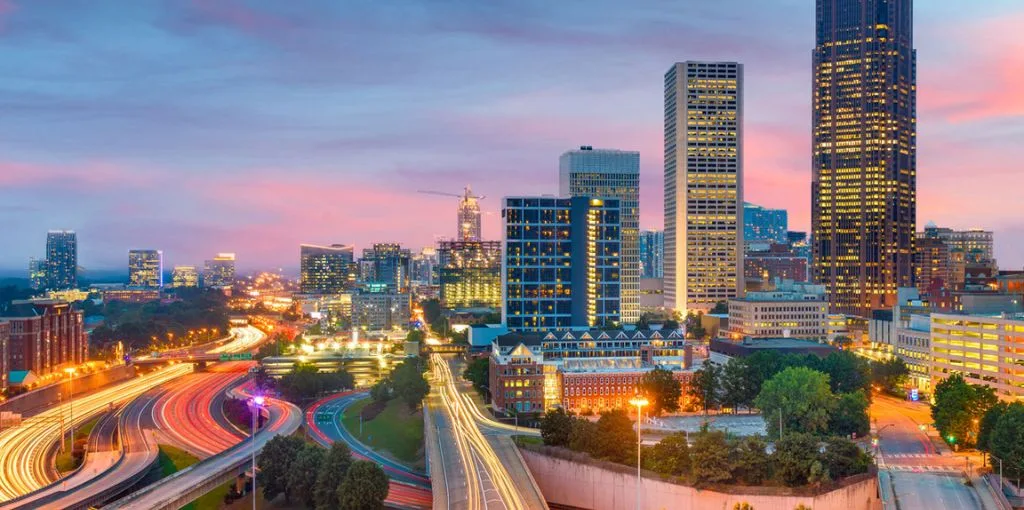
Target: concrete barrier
{"type": "Point", "coordinates": [28, 404]}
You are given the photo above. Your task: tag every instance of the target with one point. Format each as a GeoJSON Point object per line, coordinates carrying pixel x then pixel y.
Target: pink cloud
{"type": "Point", "coordinates": [87, 176]}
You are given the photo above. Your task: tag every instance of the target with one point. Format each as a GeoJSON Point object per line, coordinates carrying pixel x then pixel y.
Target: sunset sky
{"type": "Point", "coordinates": [204, 126]}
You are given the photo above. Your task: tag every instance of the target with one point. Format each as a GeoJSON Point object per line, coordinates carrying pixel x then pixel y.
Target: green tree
{"type": "Point", "coordinates": [721, 307]}
{"type": "Point", "coordinates": [694, 327]}
{"type": "Point", "coordinates": [415, 335]}
{"type": "Point", "coordinates": [275, 462]}
{"type": "Point", "coordinates": [332, 471]}
{"type": "Point", "coordinates": [891, 375]}
{"type": "Point", "coordinates": [365, 487]}
{"type": "Point", "coordinates": [478, 372]}
{"type": "Point", "coordinates": [850, 415]}
{"type": "Point", "coordinates": [843, 458]}
{"type": "Point", "coordinates": [705, 385]}
{"type": "Point", "coordinates": [662, 389]}
{"type": "Point", "coordinates": [1007, 440]}
{"type": "Point", "coordinates": [794, 454]}
{"type": "Point", "coordinates": [644, 322]}
{"type": "Point", "coordinates": [751, 464]}
{"type": "Point", "coordinates": [671, 456]}
{"type": "Point", "coordinates": [736, 388]}
{"type": "Point", "coordinates": [957, 406]}
{"type": "Point", "coordinates": [847, 372]}
{"type": "Point", "coordinates": [583, 436]}
{"type": "Point", "coordinates": [431, 310]}
{"type": "Point", "coordinates": [556, 427]}
{"type": "Point", "coordinates": [302, 474]}
{"type": "Point", "coordinates": [408, 382]}
{"type": "Point", "coordinates": [709, 458]}
{"type": "Point", "coordinates": [616, 440]}
{"type": "Point", "coordinates": [803, 398]}
{"type": "Point", "coordinates": [988, 424]}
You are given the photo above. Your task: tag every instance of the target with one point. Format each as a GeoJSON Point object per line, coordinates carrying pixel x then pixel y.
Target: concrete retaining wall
{"type": "Point", "coordinates": [35, 401]}
{"type": "Point", "coordinates": [575, 484]}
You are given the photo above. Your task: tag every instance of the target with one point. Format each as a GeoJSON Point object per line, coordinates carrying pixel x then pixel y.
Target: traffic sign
{"type": "Point", "coordinates": [237, 356]}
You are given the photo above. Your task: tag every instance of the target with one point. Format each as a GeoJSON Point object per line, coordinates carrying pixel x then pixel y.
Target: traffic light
{"type": "Point", "coordinates": [951, 439]}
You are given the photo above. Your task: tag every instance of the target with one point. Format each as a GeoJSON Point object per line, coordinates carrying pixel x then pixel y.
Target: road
{"type": "Point", "coordinates": [190, 414]}
{"type": "Point", "coordinates": [409, 488]}
{"type": "Point", "coordinates": [470, 470]}
{"type": "Point", "coordinates": [932, 491]}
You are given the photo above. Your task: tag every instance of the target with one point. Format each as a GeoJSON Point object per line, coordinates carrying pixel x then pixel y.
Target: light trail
{"type": "Point", "coordinates": [24, 463]}
{"type": "Point", "coordinates": [186, 411]}
{"type": "Point", "coordinates": [246, 338]}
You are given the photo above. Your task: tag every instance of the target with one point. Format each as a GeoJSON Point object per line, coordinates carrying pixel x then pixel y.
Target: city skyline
{"type": "Point", "coordinates": [166, 151]}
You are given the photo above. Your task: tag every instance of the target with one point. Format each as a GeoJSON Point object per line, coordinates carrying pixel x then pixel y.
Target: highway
{"type": "Point", "coordinates": [409, 488]}
{"type": "Point", "coordinates": [470, 470]}
{"type": "Point", "coordinates": [190, 414]}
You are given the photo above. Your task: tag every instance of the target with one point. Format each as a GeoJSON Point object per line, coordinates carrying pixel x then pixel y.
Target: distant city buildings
{"type": "Point", "coordinates": [146, 268]}
{"type": "Point", "coordinates": [36, 273]}
{"type": "Point", "coordinates": [609, 173]}
{"type": "Point", "coordinates": [469, 274]}
{"type": "Point", "coordinates": [561, 263]}
{"type": "Point", "coordinates": [388, 264]}
{"type": "Point", "coordinates": [424, 267]}
{"type": "Point", "coordinates": [652, 254]}
{"type": "Point", "coordinates": [43, 336]}
{"type": "Point", "coordinates": [184, 276]}
{"type": "Point", "coordinates": [325, 269]}
{"type": "Point", "coordinates": [379, 307]}
{"type": "Point", "coordinates": [764, 225]}
{"type": "Point", "coordinates": [61, 260]}
{"type": "Point", "coordinates": [219, 272]}
{"type": "Point", "coordinates": [703, 184]}
{"type": "Point", "coordinates": [792, 310]}
{"type": "Point", "coordinates": [864, 127]}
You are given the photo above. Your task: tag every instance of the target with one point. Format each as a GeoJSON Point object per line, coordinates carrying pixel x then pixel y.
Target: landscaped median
{"type": "Point", "coordinates": [74, 451]}
{"type": "Point", "coordinates": [172, 460]}
{"type": "Point", "coordinates": [390, 428]}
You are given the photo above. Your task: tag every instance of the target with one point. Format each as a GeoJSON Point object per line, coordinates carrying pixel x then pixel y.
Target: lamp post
{"type": "Point", "coordinates": [257, 404]}
{"type": "Point", "coordinates": [71, 404]}
{"type": "Point", "coordinates": [639, 402]}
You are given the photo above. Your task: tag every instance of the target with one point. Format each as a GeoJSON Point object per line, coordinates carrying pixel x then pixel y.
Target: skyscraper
{"type": "Point", "coordinates": [61, 260]}
{"type": "Point", "coordinates": [607, 173]}
{"type": "Point", "coordinates": [561, 263]}
{"type": "Point", "coordinates": [703, 184]}
{"type": "Point", "coordinates": [219, 271]}
{"type": "Point", "coordinates": [36, 273]}
{"type": "Point", "coordinates": [470, 274]}
{"type": "Point", "coordinates": [864, 183]}
{"type": "Point", "coordinates": [388, 264]}
{"type": "Point", "coordinates": [324, 269]}
{"type": "Point", "coordinates": [652, 254]}
{"type": "Point", "coordinates": [184, 276]}
{"type": "Point", "coordinates": [469, 217]}
{"type": "Point", "coordinates": [761, 224]}
{"type": "Point", "coordinates": [146, 268]}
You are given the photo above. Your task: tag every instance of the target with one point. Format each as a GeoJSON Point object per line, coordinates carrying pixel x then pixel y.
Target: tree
{"type": "Point", "coordinates": [364, 488]}
{"type": "Point", "coordinates": [381, 390]}
{"type": "Point", "coordinates": [556, 427]}
{"type": "Point", "coordinates": [751, 464]}
{"type": "Point", "coordinates": [671, 456]}
{"type": "Point", "coordinates": [306, 382]}
{"type": "Point", "coordinates": [842, 342]}
{"type": "Point", "coordinates": [803, 398]}
{"type": "Point", "coordinates": [332, 472]}
{"type": "Point", "coordinates": [721, 307]}
{"type": "Point", "coordinates": [415, 335]}
{"type": "Point", "coordinates": [847, 372]}
{"type": "Point", "coordinates": [1007, 440]}
{"type": "Point", "coordinates": [643, 323]}
{"type": "Point", "coordinates": [843, 458]}
{"type": "Point", "coordinates": [957, 406]}
{"type": "Point", "coordinates": [709, 458]}
{"type": "Point", "coordinates": [431, 310]}
{"type": "Point", "coordinates": [408, 382]}
{"type": "Point", "coordinates": [694, 326]}
{"type": "Point", "coordinates": [583, 436]}
{"type": "Point", "coordinates": [262, 381]}
{"type": "Point", "coordinates": [850, 415]}
{"type": "Point", "coordinates": [478, 372]}
{"type": "Point", "coordinates": [988, 424]}
{"type": "Point", "coordinates": [891, 375]}
{"type": "Point", "coordinates": [302, 474]}
{"type": "Point", "coordinates": [736, 387]}
{"type": "Point", "coordinates": [793, 457]}
{"type": "Point", "coordinates": [275, 462]}
{"type": "Point", "coordinates": [704, 386]}
{"type": "Point", "coordinates": [615, 438]}
{"type": "Point", "coordinates": [662, 389]}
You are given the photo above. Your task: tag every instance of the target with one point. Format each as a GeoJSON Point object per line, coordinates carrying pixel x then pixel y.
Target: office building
{"type": "Point", "coordinates": [184, 276]}
{"type": "Point", "coordinates": [324, 269]}
{"type": "Point", "coordinates": [987, 349]}
{"type": "Point", "coordinates": [470, 274]}
{"type": "Point", "coordinates": [61, 260]}
{"type": "Point", "coordinates": [932, 271]}
{"type": "Point", "coordinates": [561, 263]}
{"type": "Point", "coordinates": [469, 217]}
{"type": "Point", "coordinates": [581, 371]}
{"type": "Point", "coordinates": [378, 307]}
{"type": "Point", "coordinates": [36, 273]}
{"type": "Point", "coordinates": [652, 254]}
{"type": "Point", "coordinates": [765, 263]}
{"type": "Point", "coordinates": [764, 225]}
{"type": "Point", "coordinates": [389, 264]}
{"type": "Point", "coordinates": [607, 173]}
{"type": "Point", "coordinates": [5, 338]}
{"type": "Point", "coordinates": [424, 267]}
{"type": "Point", "coordinates": [44, 335]}
{"type": "Point", "coordinates": [792, 310]}
{"type": "Point", "coordinates": [976, 244]}
{"type": "Point", "coordinates": [219, 272]}
{"type": "Point", "coordinates": [864, 179]}
{"type": "Point", "coordinates": [130, 295]}
{"type": "Point", "coordinates": [146, 268]}
{"type": "Point", "coordinates": [703, 184]}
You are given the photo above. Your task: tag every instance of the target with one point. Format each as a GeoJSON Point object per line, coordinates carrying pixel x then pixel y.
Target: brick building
{"type": "Point", "coordinates": [5, 337]}
{"type": "Point", "coordinates": [44, 335]}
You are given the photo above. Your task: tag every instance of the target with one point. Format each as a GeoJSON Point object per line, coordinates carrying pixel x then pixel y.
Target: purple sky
{"type": "Point", "coordinates": [203, 126]}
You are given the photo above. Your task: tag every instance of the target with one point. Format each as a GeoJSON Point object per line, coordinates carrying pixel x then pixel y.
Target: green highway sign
{"type": "Point", "coordinates": [238, 356]}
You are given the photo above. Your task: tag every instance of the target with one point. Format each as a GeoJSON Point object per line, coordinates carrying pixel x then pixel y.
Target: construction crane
{"type": "Point", "coordinates": [468, 194]}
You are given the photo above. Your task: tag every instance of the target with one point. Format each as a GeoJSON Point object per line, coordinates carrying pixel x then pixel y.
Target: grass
{"type": "Point", "coordinates": [395, 431]}
{"type": "Point", "coordinates": [172, 460]}
{"type": "Point", "coordinates": [528, 440]}
{"type": "Point", "coordinates": [66, 461]}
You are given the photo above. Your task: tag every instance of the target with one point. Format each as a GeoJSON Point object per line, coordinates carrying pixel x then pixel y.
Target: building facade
{"type": "Point", "coordinates": [608, 173]}
{"type": "Point", "coordinates": [470, 274]}
{"type": "Point", "coordinates": [388, 264]}
{"type": "Point", "coordinates": [469, 228]}
{"type": "Point", "coordinates": [219, 271]}
{"type": "Point", "coordinates": [5, 339]}
{"type": "Point", "coordinates": [793, 310]}
{"type": "Point", "coordinates": [44, 335]}
{"type": "Point", "coordinates": [146, 268]}
{"type": "Point", "coordinates": [985, 349]}
{"type": "Point", "coordinates": [184, 276]}
{"type": "Point", "coordinates": [61, 260]}
{"type": "Point", "coordinates": [767, 263]}
{"type": "Point", "coordinates": [703, 184]}
{"type": "Point", "coordinates": [380, 308]}
{"type": "Point", "coordinates": [36, 273]}
{"type": "Point", "coordinates": [652, 254]}
{"type": "Point", "coordinates": [561, 263]}
{"type": "Point", "coordinates": [978, 245]}
{"type": "Point", "coordinates": [764, 225]}
{"type": "Point", "coordinates": [325, 269]}
{"type": "Point", "coordinates": [932, 271]}
{"type": "Point", "coordinates": [864, 182]}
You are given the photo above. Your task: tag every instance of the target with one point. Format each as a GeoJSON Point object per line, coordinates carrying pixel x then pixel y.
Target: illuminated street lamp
{"type": "Point", "coordinates": [257, 403]}
{"type": "Point", "coordinates": [71, 403]}
{"type": "Point", "coordinates": [639, 402]}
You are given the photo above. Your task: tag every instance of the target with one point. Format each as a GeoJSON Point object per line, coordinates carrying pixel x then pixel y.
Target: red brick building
{"type": "Point", "coordinates": [778, 261]}
{"type": "Point", "coordinates": [44, 335]}
{"type": "Point", "coordinates": [5, 337]}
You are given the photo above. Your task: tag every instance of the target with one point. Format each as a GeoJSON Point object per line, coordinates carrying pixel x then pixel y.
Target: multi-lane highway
{"type": "Point", "coordinates": [409, 488]}
{"type": "Point", "coordinates": [190, 414]}
{"type": "Point", "coordinates": [470, 470]}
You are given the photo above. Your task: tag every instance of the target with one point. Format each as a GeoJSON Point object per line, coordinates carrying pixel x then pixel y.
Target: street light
{"type": "Point", "coordinates": [639, 402]}
{"type": "Point", "coordinates": [71, 404]}
{"type": "Point", "coordinates": [257, 403]}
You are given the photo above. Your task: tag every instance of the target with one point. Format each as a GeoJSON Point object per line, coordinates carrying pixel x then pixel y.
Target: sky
{"type": "Point", "coordinates": [199, 127]}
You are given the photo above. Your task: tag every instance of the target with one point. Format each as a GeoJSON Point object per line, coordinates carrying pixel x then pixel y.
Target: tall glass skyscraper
{"type": "Point", "coordinates": [61, 260]}
{"type": "Point", "coordinates": [703, 184]}
{"type": "Point", "coordinates": [607, 173]}
{"type": "Point", "coordinates": [652, 254]}
{"type": "Point", "coordinates": [325, 269]}
{"type": "Point", "coordinates": [146, 268]}
{"type": "Point", "coordinates": [764, 224]}
{"type": "Point", "coordinates": [864, 184]}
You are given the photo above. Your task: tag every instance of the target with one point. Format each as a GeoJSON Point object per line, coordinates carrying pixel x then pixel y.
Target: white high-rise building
{"type": "Point", "coordinates": [607, 173]}
{"type": "Point", "coordinates": [703, 184]}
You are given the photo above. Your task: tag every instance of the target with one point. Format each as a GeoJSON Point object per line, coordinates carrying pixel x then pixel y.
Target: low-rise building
{"type": "Point", "coordinates": [43, 336]}
{"type": "Point", "coordinates": [792, 310]}
{"type": "Point", "coordinates": [722, 350]}
{"type": "Point", "coordinates": [184, 276]}
{"type": "Point", "coordinates": [130, 295]}
{"type": "Point", "coordinates": [985, 349]}
{"type": "Point", "coordinates": [380, 308]}
{"type": "Point", "coordinates": [768, 262]}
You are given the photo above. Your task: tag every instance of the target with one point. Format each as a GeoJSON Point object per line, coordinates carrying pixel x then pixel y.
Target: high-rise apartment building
{"type": "Point", "coordinates": [606, 173]}
{"type": "Point", "coordinates": [864, 182]}
{"type": "Point", "coordinates": [61, 260]}
{"type": "Point", "coordinates": [387, 263]}
{"type": "Point", "coordinates": [324, 269]}
{"type": "Point", "coordinates": [469, 217]}
{"type": "Point", "coordinates": [761, 224]}
{"type": "Point", "coordinates": [184, 276]}
{"type": "Point", "coordinates": [470, 274]}
{"type": "Point", "coordinates": [703, 184]}
{"type": "Point", "coordinates": [146, 268]}
{"type": "Point", "coordinates": [36, 273]}
{"type": "Point", "coordinates": [652, 254]}
{"type": "Point", "coordinates": [219, 271]}
{"type": "Point", "coordinates": [561, 263]}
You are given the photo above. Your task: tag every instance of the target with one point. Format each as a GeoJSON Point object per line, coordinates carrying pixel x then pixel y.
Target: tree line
{"type": "Point", "coordinates": [309, 476]}
{"type": "Point", "coordinates": [405, 382]}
